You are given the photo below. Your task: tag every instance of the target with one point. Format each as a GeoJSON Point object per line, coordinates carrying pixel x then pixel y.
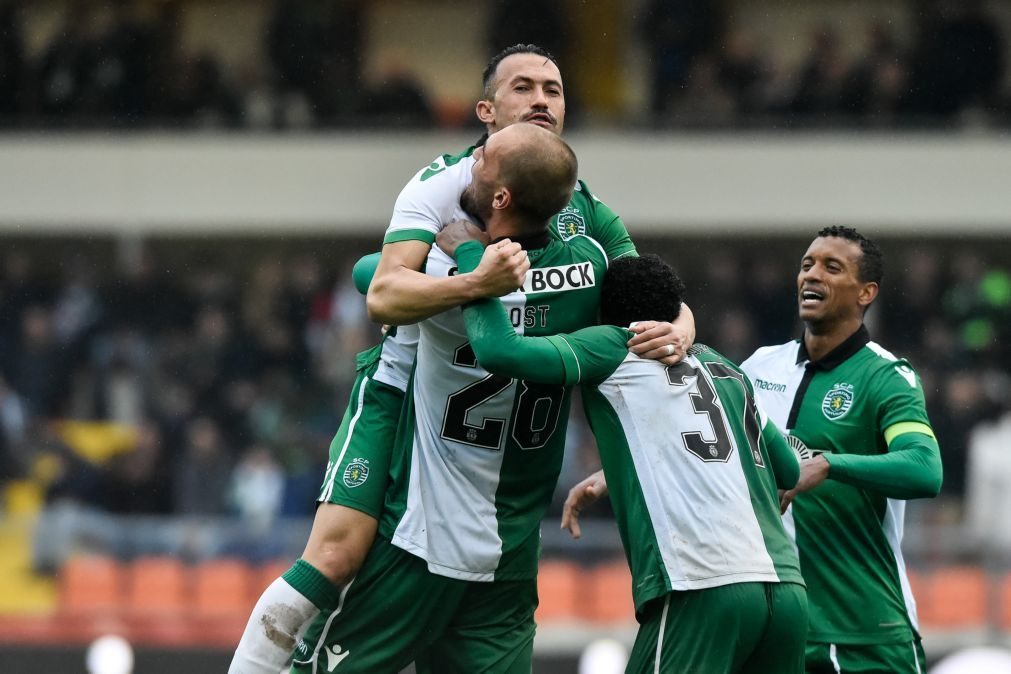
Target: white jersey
{"type": "Point", "coordinates": [485, 450]}
{"type": "Point", "coordinates": [426, 204]}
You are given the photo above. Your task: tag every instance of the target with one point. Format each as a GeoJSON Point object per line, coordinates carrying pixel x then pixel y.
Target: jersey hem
{"type": "Point", "coordinates": [441, 569]}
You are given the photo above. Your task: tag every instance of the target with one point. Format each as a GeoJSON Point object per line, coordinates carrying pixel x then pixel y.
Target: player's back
{"type": "Point", "coordinates": [689, 475]}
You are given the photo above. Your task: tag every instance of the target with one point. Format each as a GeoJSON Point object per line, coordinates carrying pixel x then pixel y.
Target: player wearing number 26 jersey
{"type": "Point", "coordinates": [692, 466]}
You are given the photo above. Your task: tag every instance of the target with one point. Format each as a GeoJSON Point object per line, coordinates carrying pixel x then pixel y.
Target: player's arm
{"type": "Point", "coordinates": [910, 469]}
{"type": "Point", "coordinates": [782, 458]}
{"type": "Point", "coordinates": [911, 466]}
{"type": "Point", "coordinates": [401, 294]}
{"type": "Point", "coordinates": [558, 359]}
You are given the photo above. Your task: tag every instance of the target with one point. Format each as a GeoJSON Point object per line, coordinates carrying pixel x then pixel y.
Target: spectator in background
{"type": "Point", "coordinates": [819, 87]}
{"type": "Point", "coordinates": [12, 65]}
{"type": "Point", "coordinates": [138, 482]}
{"type": "Point", "coordinates": [540, 22]}
{"type": "Point", "coordinates": [676, 34]}
{"type": "Point", "coordinates": [397, 100]}
{"type": "Point", "coordinates": [316, 49]}
{"type": "Point", "coordinates": [958, 60]}
{"type": "Point", "coordinates": [37, 368]}
{"type": "Point", "coordinates": [876, 82]}
{"type": "Point", "coordinates": [203, 471]}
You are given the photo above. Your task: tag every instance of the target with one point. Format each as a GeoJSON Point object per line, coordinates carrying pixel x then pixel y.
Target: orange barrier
{"type": "Point", "coordinates": [161, 601]}
{"type": "Point", "coordinates": [610, 593]}
{"type": "Point", "coordinates": [91, 584]}
{"type": "Point", "coordinates": [955, 598]}
{"type": "Point", "coordinates": [558, 589]}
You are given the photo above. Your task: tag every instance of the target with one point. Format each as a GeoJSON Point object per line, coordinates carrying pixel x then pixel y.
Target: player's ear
{"type": "Point", "coordinates": [867, 294]}
{"type": "Point", "coordinates": [502, 199]}
{"type": "Point", "coordinates": [485, 111]}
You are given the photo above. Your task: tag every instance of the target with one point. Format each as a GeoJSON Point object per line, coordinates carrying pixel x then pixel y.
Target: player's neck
{"type": "Point", "coordinates": [821, 340]}
{"type": "Point", "coordinates": [508, 228]}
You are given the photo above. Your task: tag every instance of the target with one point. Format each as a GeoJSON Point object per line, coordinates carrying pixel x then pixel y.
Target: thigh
{"type": "Point", "coordinates": [491, 633]}
{"type": "Point", "coordinates": [781, 648]}
{"type": "Point", "coordinates": [902, 658]}
{"type": "Point", "coordinates": [701, 631]}
{"type": "Point", "coordinates": [386, 616]}
{"type": "Point", "coordinates": [359, 465]}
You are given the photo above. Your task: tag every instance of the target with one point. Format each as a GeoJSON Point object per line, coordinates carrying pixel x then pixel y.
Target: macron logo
{"type": "Point", "coordinates": [553, 279]}
{"type": "Point", "coordinates": [334, 656]}
{"type": "Point", "coordinates": [769, 386]}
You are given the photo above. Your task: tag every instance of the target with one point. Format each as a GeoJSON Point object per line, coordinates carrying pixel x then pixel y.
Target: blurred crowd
{"type": "Point", "coordinates": [228, 380]}
{"type": "Point", "coordinates": [123, 64]}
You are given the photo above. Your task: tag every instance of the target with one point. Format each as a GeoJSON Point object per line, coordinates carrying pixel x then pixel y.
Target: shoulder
{"type": "Point", "coordinates": [444, 173]}
{"type": "Point", "coordinates": [588, 247]}
{"type": "Point", "coordinates": [772, 356]}
{"type": "Point", "coordinates": [888, 368]}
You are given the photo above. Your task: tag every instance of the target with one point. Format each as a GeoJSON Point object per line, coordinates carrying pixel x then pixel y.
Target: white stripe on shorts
{"type": "Point", "coordinates": [659, 638]}
{"type": "Point", "coordinates": [347, 441]}
{"type": "Point", "coordinates": [834, 659]}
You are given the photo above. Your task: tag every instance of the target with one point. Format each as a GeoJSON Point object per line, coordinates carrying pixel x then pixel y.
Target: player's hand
{"type": "Point", "coordinates": [458, 232]}
{"type": "Point", "coordinates": [664, 342]}
{"type": "Point", "coordinates": [502, 269]}
{"type": "Point", "coordinates": [580, 497]}
{"type": "Point", "coordinates": [813, 472]}
{"type": "Point", "coordinates": [785, 499]}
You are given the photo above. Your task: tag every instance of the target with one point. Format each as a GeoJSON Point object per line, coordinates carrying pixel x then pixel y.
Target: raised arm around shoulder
{"type": "Point", "coordinates": [401, 294]}
{"type": "Point", "coordinates": [652, 338]}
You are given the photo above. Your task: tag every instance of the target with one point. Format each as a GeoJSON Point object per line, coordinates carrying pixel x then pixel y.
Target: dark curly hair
{"type": "Point", "coordinates": [488, 77]}
{"type": "Point", "coordinates": [640, 289]}
{"type": "Point", "coordinates": [871, 267]}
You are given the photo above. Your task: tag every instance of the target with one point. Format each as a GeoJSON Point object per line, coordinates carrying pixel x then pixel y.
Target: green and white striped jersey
{"type": "Point", "coordinates": [692, 464]}
{"type": "Point", "coordinates": [852, 403]}
{"type": "Point", "coordinates": [479, 454]}
{"type": "Point", "coordinates": [432, 199]}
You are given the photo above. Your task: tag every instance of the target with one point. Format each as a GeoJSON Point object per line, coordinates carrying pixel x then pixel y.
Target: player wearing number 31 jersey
{"type": "Point", "coordinates": [692, 466]}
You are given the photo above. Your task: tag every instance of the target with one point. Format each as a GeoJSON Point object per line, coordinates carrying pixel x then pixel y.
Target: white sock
{"type": "Point", "coordinates": [273, 629]}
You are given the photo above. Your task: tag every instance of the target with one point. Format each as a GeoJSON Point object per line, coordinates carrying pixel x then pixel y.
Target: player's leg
{"type": "Point", "coordinates": [350, 499]}
{"type": "Point", "coordinates": [385, 618]}
{"type": "Point", "coordinates": [707, 631]}
{"type": "Point", "coordinates": [781, 648]}
{"type": "Point", "coordinates": [491, 633]}
{"type": "Point", "coordinates": [902, 658]}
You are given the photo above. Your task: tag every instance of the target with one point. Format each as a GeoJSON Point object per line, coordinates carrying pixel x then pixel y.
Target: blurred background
{"type": "Point", "coordinates": [184, 186]}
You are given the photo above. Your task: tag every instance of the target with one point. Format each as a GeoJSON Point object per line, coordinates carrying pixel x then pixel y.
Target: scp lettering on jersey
{"type": "Point", "coordinates": [530, 317]}
{"type": "Point", "coordinates": [555, 279]}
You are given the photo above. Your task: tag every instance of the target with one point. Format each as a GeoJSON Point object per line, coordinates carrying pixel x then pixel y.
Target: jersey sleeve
{"type": "Point", "coordinates": [607, 228]}
{"type": "Point", "coordinates": [899, 397]}
{"type": "Point", "coordinates": [363, 271]}
{"type": "Point", "coordinates": [782, 458]}
{"type": "Point", "coordinates": [585, 356]}
{"type": "Point", "coordinates": [426, 203]}
{"type": "Point", "coordinates": [911, 468]}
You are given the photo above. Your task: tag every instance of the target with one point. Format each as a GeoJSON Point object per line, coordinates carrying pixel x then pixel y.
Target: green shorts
{"type": "Point", "coordinates": [357, 473]}
{"type": "Point", "coordinates": [395, 612]}
{"type": "Point", "coordinates": [902, 658]}
{"type": "Point", "coordinates": [743, 627]}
